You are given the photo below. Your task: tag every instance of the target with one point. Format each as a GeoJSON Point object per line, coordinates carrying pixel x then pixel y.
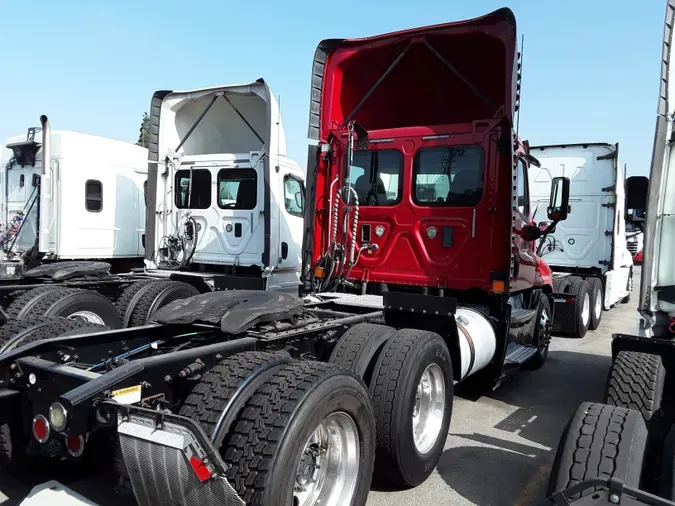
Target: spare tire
{"type": "Point", "coordinates": [86, 305]}
{"type": "Point", "coordinates": [153, 296]}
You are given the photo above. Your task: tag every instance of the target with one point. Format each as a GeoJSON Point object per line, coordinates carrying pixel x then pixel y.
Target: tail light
{"type": "Point", "coordinates": [75, 446]}
{"type": "Point", "coordinates": [40, 429]}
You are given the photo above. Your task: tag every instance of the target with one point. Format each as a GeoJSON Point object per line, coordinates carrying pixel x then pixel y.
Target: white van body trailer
{"type": "Point", "coordinates": [591, 243]}
{"type": "Point", "coordinates": [224, 203]}
{"type": "Point", "coordinates": [88, 204]}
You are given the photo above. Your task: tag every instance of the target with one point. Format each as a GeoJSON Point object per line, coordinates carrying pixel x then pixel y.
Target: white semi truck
{"type": "Point", "coordinates": [587, 253]}
{"type": "Point", "coordinates": [86, 204]}
{"type": "Point", "coordinates": [224, 210]}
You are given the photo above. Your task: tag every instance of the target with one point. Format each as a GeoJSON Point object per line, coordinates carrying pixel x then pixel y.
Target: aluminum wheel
{"type": "Point", "coordinates": [586, 309]}
{"type": "Point", "coordinates": [544, 331]}
{"type": "Point", "coordinates": [429, 408]}
{"type": "Point", "coordinates": [329, 466]}
{"type": "Point", "coordinates": [597, 307]}
{"type": "Point", "coordinates": [87, 316]}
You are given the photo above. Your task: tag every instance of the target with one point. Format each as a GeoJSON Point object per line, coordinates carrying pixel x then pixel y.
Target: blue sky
{"type": "Point", "coordinates": [590, 72]}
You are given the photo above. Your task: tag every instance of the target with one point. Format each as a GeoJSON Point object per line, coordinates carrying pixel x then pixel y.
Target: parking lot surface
{"type": "Point", "coordinates": [501, 445]}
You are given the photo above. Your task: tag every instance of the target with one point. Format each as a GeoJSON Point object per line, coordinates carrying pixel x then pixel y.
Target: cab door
{"type": "Point", "coordinates": [525, 272]}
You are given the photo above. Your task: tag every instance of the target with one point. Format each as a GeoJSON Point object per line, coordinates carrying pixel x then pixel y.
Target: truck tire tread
{"type": "Point", "coordinates": [127, 295]}
{"type": "Point", "coordinates": [257, 434]}
{"type": "Point", "coordinates": [357, 349]}
{"type": "Point", "coordinates": [140, 312]}
{"type": "Point", "coordinates": [578, 286]}
{"type": "Point", "coordinates": [24, 297]}
{"type": "Point", "coordinates": [210, 396]}
{"type": "Point", "coordinates": [397, 461]}
{"type": "Point", "coordinates": [600, 441]}
{"type": "Point", "coordinates": [636, 382]}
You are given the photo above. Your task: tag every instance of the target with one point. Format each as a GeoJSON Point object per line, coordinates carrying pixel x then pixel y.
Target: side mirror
{"type": "Point", "coordinates": [637, 188]}
{"type": "Point", "coordinates": [559, 202]}
{"type": "Point", "coordinates": [300, 200]}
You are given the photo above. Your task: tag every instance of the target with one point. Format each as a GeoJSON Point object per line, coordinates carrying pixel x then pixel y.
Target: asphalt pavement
{"type": "Point", "coordinates": [500, 447]}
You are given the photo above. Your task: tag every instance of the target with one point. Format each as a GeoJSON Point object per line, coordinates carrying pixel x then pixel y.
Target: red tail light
{"type": "Point", "coordinates": [40, 429]}
{"type": "Point", "coordinates": [75, 445]}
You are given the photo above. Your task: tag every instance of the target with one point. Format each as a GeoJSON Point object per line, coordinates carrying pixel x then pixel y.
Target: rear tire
{"type": "Point", "coordinates": [218, 386]}
{"type": "Point", "coordinates": [156, 295]}
{"type": "Point", "coordinates": [600, 441]}
{"type": "Point", "coordinates": [413, 367]}
{"type": "Point", "coordinates": [577, 325]}
{"type": "Point", "coordinates": [597, 303]}
{"type": "Point", "coordinates": [270, 456]}
{"type": "Point", "coordinates": [25, 297]}
{"type": "Point", "coordinates": [72, 303]}
{"type": "Point", "coordinates": [16, 333]}
{"type": "Point", "coordinates": [128, 298]}
{"type": "Point", "coordinates": [636, 382]}
{"type": "Point", "coordinates": [357, 349]}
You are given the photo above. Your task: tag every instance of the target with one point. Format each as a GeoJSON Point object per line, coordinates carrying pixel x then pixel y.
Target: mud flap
{"type": "Point", "coordinates": [563, 310]}
{"type": "Point", "coordinates": [171, 461]}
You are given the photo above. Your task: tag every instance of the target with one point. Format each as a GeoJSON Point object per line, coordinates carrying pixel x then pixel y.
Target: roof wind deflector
{"type": "Point", "coordinates": [198, 120]}
{"type": "Point", "coordinates": [398, 59]}
{"type": "Point", "coordinates": [459, 75]}
{"type": "Point", "coordinates": [375, 86]}
{"type": "Point", "coordinates": [244, 120]}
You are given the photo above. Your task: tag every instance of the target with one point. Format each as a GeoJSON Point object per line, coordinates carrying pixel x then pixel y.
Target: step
{"type": "Point", "coordinates": [519, 354]}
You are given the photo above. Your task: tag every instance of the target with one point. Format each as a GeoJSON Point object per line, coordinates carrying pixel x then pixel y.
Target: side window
{"type": "Point", "coordinates": [195, 196]}
{"type": "Point", "coordinates": [93, 195]}
{"type": "Point", "coordinates": [377, 176]}
{"type": "Point", "coordinates": [448, 176]}
{"type": "Point", "coordinates": [237, 189]}
{"type": "Point", "coordinates": [294, 196]}
{"type": "Point", "coordinates": [522, 189]}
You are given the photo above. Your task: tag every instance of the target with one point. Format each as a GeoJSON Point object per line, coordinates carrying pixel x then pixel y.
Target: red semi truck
{"type": "Point", "coordinates": [419, 270]}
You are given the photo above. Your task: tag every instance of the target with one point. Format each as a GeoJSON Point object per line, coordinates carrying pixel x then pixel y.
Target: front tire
{"type": "Point", "coordinates": [542, 338]}
{"type": "Point", "coordinates": [412, 392]}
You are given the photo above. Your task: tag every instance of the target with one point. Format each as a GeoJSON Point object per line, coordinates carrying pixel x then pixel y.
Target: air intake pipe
{"type": "Point", "coordinates": [46, 143]}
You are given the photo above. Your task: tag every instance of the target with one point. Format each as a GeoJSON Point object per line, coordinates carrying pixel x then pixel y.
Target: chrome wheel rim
{"type": "Point", "coordinates": [544, 331]}
{"type": "Point", "coordinates": [87, 316]}
{"type": "Point", "coordinates": [429, 408]}
{"type": "Point", "coordinates": [329, 465]}
{"type": "Point", "coordinates": [598, 304]}
{"type": "Point", "coordinates": [586, 309]}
